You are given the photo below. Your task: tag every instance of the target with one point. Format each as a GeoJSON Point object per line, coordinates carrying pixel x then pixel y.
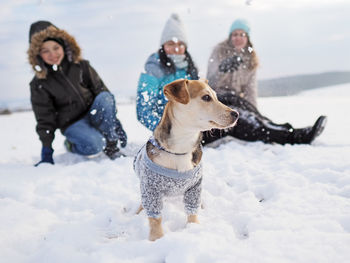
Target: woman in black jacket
{"type": "Point", "coordinates": [68, 94]}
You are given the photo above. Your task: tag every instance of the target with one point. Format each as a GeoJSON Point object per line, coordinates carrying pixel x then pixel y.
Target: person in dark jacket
{"type": "Point", "coordinates": [68, 94]}
{"type": "Point", "coordinates": [232, 74]}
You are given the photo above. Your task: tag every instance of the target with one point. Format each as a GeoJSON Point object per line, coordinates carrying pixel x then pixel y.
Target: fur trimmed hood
{"type": "Point", "coordinates": [71, 48]}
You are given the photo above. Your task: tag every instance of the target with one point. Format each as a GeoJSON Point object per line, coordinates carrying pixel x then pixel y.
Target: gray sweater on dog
{"type": "Point", "coordinates": [158, 182]}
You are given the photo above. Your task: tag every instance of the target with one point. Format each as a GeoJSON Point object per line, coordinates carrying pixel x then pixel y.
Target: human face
{"type": "Point", "coordinates": [239, 39]}
{"type": "Point", "coordinates": [174, 48]}
{"type": "Point", "coordinates": [52, 52]}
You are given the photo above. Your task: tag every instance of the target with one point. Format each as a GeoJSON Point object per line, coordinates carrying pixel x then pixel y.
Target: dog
{"type": "Point", "coordinates": [170, 162]}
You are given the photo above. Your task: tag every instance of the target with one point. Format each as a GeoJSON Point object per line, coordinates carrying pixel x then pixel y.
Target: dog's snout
{"type": "Point", "coordinates": [234, 114]}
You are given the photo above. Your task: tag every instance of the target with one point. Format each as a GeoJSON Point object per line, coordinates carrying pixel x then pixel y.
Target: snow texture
{"type": "Point", "coordinates": [260, 203]}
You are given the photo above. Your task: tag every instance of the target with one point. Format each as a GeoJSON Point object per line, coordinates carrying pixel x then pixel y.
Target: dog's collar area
{"type": "Point", "coordinates": [156, 144]}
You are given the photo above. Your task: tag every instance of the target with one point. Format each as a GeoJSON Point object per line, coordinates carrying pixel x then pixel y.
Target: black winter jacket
{"type": "Point", "coordinates": [63, 97]}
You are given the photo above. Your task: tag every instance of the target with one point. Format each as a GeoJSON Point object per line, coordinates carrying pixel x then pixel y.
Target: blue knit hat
{"type": "Point", "coordinates": [240, 24]}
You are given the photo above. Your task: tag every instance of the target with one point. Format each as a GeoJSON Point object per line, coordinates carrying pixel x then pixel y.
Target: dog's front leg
{"type": "Point", "coordinates": [156, 230]}
{"type": "Point", "coordinates": [192, 219]}
{"type": "Point", "coordinates": [192, 200]}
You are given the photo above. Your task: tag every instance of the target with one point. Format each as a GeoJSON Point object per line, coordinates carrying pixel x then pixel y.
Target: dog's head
{"type": "Point", "coordinates": [195, 104]}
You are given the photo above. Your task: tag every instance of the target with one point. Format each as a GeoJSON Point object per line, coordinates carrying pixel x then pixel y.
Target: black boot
{"type": "Point", "coordinates": [308, 135]}
{"type": "Point", "coordinates": [112, 150]}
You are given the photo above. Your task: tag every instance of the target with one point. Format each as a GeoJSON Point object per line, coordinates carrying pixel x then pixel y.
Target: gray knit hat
{"type": "Point", "coordinates": [174, 30]}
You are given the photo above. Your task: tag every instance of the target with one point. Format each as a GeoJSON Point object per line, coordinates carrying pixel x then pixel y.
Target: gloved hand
{"type": "Point", "coordinates": [46, 156]}
{"type": "Point", "coordinates": [230, 64]}
{"type": "Point", "coordinates": [121, 134]}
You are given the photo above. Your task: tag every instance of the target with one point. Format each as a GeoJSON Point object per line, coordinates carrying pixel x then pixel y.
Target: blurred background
{"type": "Point", "coordinates": [301, 44]}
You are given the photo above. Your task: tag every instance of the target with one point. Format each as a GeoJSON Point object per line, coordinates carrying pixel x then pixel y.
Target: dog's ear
{"type": "Point", "coordinates": [177, 90]}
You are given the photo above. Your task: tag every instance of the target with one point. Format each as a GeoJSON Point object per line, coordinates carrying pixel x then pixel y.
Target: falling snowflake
{"type": "Point", "coordinates": [93, 112]}
{"type": "Point", "coordinates": [145, 96]}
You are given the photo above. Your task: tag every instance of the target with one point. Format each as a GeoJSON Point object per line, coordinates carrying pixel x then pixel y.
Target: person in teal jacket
{"type": "Point", "coordinates": [171, 62]}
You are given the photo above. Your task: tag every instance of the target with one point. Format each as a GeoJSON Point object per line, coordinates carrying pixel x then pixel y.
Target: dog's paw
{"type": "Point", "coordinates": [156, 230]}
{"type": "Point", "coordinates": [192, 219]}
{"type": "Point", "coordinates": [155, 236]}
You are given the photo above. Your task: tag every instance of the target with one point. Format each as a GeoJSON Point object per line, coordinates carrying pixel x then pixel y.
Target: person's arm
{"type": "Point", "coordinates": [150, 101]}
{"type": "Point", "coordinates": [92, 79]}
{"type": "Point", "coordinates": [96, 85]}
{"type": "Point", "coordinates": [220, 65]}
{"type": "Point", "coordinates": [45, 115]}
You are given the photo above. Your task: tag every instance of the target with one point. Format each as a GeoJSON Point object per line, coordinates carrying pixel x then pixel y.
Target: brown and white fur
{"type": "Point", "coordinates": [191, 109]}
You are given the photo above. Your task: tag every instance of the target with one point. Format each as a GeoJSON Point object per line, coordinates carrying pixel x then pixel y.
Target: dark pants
{"type": "Point", "coordinates": [251, 125]}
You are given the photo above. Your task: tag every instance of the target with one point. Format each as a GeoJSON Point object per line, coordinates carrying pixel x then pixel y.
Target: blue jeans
{"type": "Point", "coordinates": [88, 135]}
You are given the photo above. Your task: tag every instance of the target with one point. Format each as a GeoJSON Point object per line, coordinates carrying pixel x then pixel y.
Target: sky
{"type": "Point", "coordinates": [261, 203]}
{"type": "Point", "coordinates": [290, 37]}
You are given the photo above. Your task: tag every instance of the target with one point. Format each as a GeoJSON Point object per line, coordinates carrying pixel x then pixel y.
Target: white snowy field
{"type": "Point", "coordinates": [262, 203]}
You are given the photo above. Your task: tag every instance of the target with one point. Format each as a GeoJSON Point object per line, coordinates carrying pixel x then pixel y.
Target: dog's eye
{"type": "Point", "coordinates": [206, 98]}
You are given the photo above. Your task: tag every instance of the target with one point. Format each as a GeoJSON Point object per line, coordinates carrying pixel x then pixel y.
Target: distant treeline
{"type": "Point", "coordinates": [294, 84]}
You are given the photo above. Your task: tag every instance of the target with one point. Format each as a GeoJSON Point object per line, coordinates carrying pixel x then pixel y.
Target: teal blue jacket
{"type": "Point", "coordinates": [150, 100]}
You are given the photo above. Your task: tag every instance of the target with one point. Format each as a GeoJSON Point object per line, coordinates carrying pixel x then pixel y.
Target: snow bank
{"type": "Point", "coordinates": [261, 203]}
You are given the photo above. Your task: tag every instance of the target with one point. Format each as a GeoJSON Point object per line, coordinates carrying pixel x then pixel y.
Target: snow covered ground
{"type": "Point", "coordinates": [262, 203]}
